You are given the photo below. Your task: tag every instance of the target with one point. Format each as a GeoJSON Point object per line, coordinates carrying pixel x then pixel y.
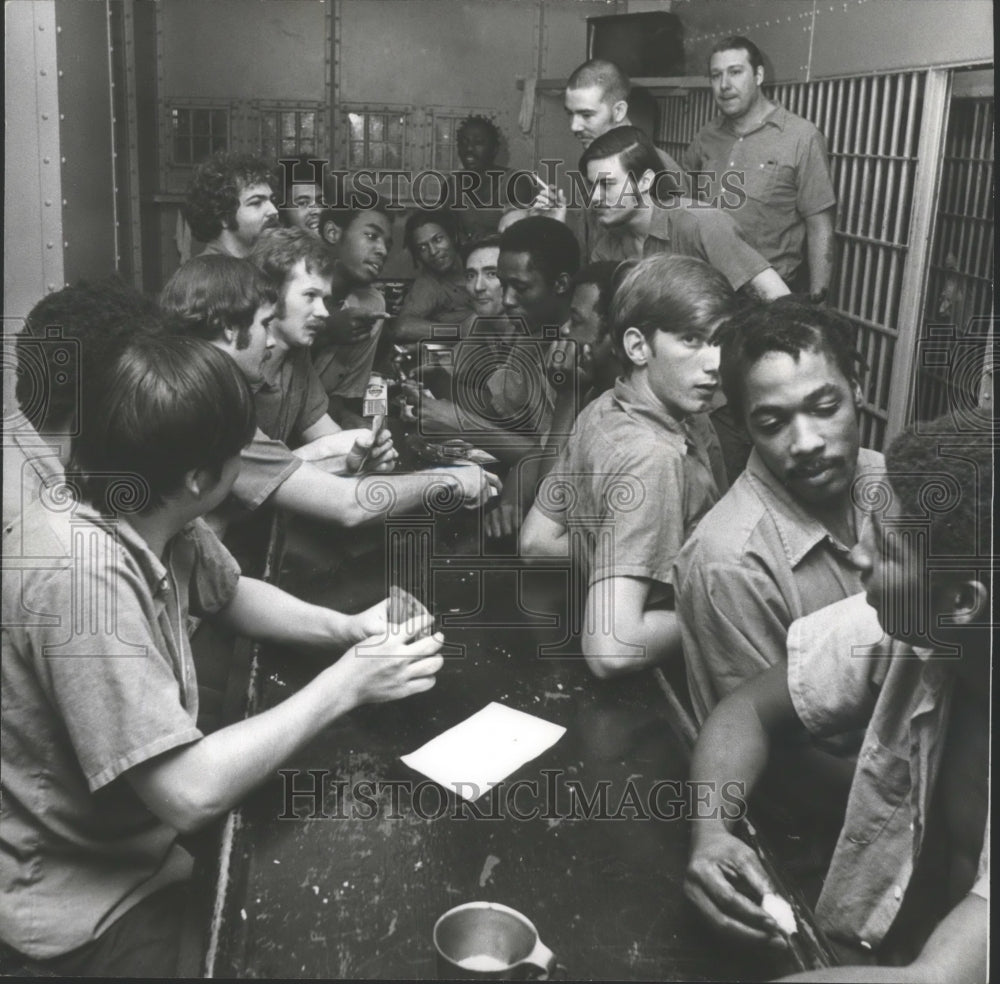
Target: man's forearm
{"type": "Point", "coordinates": [819, 244]}
{"type": "Point", "coordinates": [262, 611]}
{"type": "Point", "coordinates": [732, 745]}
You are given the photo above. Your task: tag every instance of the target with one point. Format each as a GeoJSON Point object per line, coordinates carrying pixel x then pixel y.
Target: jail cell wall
{"type": "Point", "coordinates": [955, 360]}
{"type": "Point", "coordinates": [872, 128]}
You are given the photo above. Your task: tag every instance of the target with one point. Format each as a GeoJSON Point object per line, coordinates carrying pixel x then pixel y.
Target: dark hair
{"type": "Point", "coordinates": [601, 274]}
{"type": "Point", "coordinates": [941, 471]}
{"type": "Point", "coordinates": [550, 244]}
{"type": "Point", "coordinates": [739, 43]}
{"type": "Point", "coordinates": [787, 325]}
{"type": "Point", "coordinates": [672, 293]}
{"type": "Point", "coordinates": [213, 196]}
{"type": "Point", "coordinates": [425, 216]}
{"type": "Point", "coordinates": [492, 241]}
{"type": "Point", "coordinates": [278, 250]}
{"type": "Point", "coordinates": [612, 81]}
{"type": "Point", "coordinates": [473, 120]}
{"type": "Point", "coordinates": [635, 151]}
{"type": "Point", "coordinates": [342, 218]}
{"type": "Point", "coordinates": [65, 337]}
{"type": "Point", "coordinates": [209, 294]}
{"type": "Point", "coordinates": [162, 406]}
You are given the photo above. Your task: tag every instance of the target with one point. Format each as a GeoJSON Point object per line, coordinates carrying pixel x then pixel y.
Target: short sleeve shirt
{"type": "Point", "coordinates": [690, 229]}
{"type": "Point", "coordinates": [783, 169]}
{"type": "Point", "coordinates": [844, 672]}
{"type": "Point", "coordinates": [30, 465]}
{"type": "Point", "coordinates": [631, 484]}
{"type": "Point", "coordinates": [438, 298]}
{"type": "Point", "coordinates": [291, 402]}
{"type": "Point", "coordinates": [756, 563]}
{"type": "Point", "coordinates": [97, 678]}
{"type": "Point", "coordinates": [265, 464]}
{"type": "Point", "coordinates": [344, 370]}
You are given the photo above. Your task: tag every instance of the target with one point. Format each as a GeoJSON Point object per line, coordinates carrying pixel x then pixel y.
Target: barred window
{"type": "Point", "coordinates": [377, 138]}
{"type": "Point", "coordinates": [197, 132]}
{"type": "Point", "coordinates": [288, 132]}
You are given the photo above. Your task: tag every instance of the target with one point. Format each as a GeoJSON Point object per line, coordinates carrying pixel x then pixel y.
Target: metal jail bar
{"type": "Point", "coordinates": [873, 126]}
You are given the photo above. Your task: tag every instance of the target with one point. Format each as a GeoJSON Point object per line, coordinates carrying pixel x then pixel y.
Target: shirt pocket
{"type": "Point", "coordinates": [769, 181]}
{"type": "Point", "coordinates": [881, 787]}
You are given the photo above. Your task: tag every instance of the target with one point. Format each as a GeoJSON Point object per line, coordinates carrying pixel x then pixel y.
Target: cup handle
{"type": "Point", "coordinates": [541, 958]}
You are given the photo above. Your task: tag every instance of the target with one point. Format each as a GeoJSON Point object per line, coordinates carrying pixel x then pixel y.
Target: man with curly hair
{"type": "Point", "coordinates": [229, 203]}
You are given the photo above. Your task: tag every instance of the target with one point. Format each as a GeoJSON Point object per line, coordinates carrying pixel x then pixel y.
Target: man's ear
{"type": "Point", "coordinates": [635, 346]}
{"type": "Point", "coordinates": [331, 233]}
{"type": "Point", "coordinates": [563, 283]}
{"type": "Point", "coordinates": [646, 181]}
{"type": "Point", "coordinates": [966, 602]}
{"type": "Point", "coordinates": [619, 111]}
{"type": "Point", "coordinates": [198, 481]}
{"type": "Point", "coordinates": [759, 75]}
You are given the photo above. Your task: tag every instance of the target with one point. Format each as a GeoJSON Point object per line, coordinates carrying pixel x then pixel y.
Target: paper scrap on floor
{"type": "Point", "coordinates": [474, 756]}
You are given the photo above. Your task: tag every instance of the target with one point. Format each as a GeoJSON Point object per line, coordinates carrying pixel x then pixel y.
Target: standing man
{"type": "Point", "coordinates": [777, 545]}
{"type": "Point", "coordinates": [633, 222]}
{"type": "Point", "coordinates": [788, 199]}
{"type": "Point", "coordinates": [597, 100]}
{"type": "Point", "coordinates": [229, 203]}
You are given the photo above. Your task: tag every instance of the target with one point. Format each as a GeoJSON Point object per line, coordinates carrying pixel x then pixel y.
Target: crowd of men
{"type": "Point", "coordinates": [675, 408]}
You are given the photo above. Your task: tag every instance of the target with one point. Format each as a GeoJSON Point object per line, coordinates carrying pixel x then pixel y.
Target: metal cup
{"type": "Point", "coordinates": [487, 941]}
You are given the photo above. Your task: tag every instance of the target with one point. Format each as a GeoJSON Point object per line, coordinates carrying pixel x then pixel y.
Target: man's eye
{"type": "Point", "coordinates": [769, 425]}
{"type": "Point", "coordinates": [827, 409]}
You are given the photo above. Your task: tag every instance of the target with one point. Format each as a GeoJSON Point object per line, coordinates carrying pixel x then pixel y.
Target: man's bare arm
{"type": "Point", "coordinates": [819, 248]}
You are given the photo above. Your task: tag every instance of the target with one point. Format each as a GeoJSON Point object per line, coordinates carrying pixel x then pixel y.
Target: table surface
{"type": "Point", "coordinates": [356, 897]}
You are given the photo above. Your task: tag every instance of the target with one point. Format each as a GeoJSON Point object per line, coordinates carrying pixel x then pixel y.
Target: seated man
{"type": "Point", "coordinates": [102, 764]}
{"type": "Point", "coordinates": [63, 340]}
{"type": "Point", "coordinates": [633, 221]}
{"type": "Point", "coordinates": [777, 546]}
{"type": "Point", "coordinates": [231, 304]}
{"type": "Point", "coordinates": [642, 466]}
{"type": "Point", "coordinates": [438, 294]}
{"type": "Point", "coordinates": [908, 885]}
{"type": "Point", "coordinates": [230, 203]}
{"type": "Point", "coordinates": [344, 351]}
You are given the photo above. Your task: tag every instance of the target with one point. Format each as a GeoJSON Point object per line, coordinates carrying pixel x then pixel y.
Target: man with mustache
{"type": "Point", "coordinates": [776, 546]}
{"type": "Point", "coordinates": [229, 203]}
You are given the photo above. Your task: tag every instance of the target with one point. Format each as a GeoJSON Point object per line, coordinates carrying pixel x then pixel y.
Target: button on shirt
{"type": "Point", "coordinates": [843, 672]}
{"type": "Point", "coordinates": [785, 178]}
{"type": "Point", "coordinates": [632, 472]}
{"type": "Point", "coordinates": [97, 678]}
{"type": "Point", "coordinates": [757, 562]}
{"type": "Point", "coordinates": [705, 233]}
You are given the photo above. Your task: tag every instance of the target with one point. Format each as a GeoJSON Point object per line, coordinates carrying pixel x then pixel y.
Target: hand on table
{"type": "Point", "coordinates": [476, 485]}
{"type": "Point", "coordinates": [376, 454]}
{"type": "Point", "coordinates": [392, 664]}
{"type": "Point", "coordinates": [720, 871]}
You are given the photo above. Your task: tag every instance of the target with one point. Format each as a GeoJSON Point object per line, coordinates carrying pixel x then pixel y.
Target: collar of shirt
{"type": "Point", "coordinates": [153, 569]}
{"type": "Point", "coordinates": [659, 223]}
{"type": "Point", "coordinates": [637, 403]}
{"type": "Point", "coordinates": [776, 116]}
{"type": "Point", "coordinates": [799, 532]}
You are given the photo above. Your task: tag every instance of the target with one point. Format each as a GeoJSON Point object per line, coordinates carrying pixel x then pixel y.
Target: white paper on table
{"type": "Point", "coordinates": [483, 750]}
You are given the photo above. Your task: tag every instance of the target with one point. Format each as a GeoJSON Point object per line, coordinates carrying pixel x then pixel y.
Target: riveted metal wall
{"type": "Point", "coordinates": [87, 161]}
{"type": "Point", "coordinates": [33, 260]}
